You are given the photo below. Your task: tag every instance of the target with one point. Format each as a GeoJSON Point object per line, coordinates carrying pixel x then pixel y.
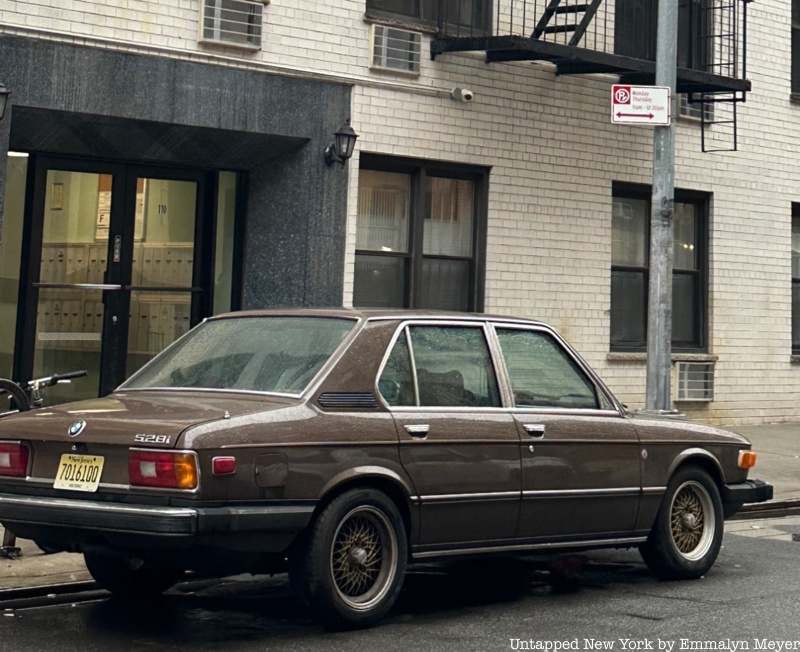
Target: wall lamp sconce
{"type": "Point", "coordinates": [4, 93]}
{"type": "Point", "coordinates": [344, 142]}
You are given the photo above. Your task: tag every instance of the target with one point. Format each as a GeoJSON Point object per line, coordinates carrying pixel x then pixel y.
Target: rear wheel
{"type": "Point", "coordinates": [350, 565]}
{"type": "Point", "coordinates": [687, 535]}
{"type": "Point", "coordinates": [130, 578]}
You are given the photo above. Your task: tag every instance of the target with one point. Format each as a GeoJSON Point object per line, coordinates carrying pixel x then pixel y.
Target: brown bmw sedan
{"type": "Point", "coordinates": [341, 445]}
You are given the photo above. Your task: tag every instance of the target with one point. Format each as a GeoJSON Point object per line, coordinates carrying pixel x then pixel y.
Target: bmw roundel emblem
{"type": "Point", "coordinates": [76, 428]}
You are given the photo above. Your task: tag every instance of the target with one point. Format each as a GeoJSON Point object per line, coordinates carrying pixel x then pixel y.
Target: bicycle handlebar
{"type": "Point", "coordinates": [49, 381]}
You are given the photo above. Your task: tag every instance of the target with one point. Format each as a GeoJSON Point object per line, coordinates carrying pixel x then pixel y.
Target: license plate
{"type": "Point", "coordinates": [79, 472]}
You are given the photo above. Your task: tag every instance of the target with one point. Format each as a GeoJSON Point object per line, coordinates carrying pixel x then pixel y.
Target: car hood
{"type": "Point", "coordinates": [123, 415]}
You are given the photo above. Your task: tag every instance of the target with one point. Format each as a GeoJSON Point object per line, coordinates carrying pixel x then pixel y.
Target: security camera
{"type": "Point", "coordinates": [462, 95]}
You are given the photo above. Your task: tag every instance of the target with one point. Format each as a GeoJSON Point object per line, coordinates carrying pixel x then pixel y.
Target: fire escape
{"type": "Point", "coordinates": [615, 37]}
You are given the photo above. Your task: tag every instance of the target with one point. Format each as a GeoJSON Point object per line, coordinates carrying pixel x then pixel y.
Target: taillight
{"type": "Point", "coordinates": [14, 459]}
{"type": "Point", "coordinates": [162, 469]}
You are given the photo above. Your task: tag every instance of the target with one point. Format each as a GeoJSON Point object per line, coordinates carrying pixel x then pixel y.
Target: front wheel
{"type": "Point", "coordinates": [350, 565]}
{"type": "Point", "coordinates": [687, 534]}
{"type": "Point", "coordinates": [129, 578]}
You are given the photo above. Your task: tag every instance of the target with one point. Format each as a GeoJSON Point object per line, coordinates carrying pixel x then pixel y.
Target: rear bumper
{"type": "Point", "coordinates": [190, 524]}
{"type": "Point", "coordinates": [749, 491]}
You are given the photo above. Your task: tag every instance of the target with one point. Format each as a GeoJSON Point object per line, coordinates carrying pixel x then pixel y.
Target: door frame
{"type": "Point", "coordinates": [114, 342]}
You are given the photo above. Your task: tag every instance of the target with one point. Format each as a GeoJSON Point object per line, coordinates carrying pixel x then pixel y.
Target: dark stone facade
{"type": "Point", "coordinates": [90, 102]}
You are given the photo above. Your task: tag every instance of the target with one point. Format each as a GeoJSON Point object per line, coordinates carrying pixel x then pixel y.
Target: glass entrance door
{"type": "Point", "coordinates": [71, 289]}
{"type": "Point", "coordinates": [162, 287]}
{"type": "Point", "coordinates": [118, 277]}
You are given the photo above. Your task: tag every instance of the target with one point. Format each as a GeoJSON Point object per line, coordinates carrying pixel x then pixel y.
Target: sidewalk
{"type": "Point", "coordinates": [778, 448]}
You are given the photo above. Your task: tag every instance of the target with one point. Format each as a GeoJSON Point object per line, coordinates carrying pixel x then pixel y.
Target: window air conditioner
{"type": "Point", "coordinates": [695, 381]}
{"type": "Point", "coordinates": [396, 49]}
{"type": "Point", "coordinates": [234, 23]}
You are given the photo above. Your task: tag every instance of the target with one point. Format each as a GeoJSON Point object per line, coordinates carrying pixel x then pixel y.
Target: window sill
{"type": "Point", "coordinates": [403, 22]}
{"type": "Point", "coordinates": [637, 356]}
{"type": "Point", "coordinates": [794, 98]}
{"type": "Point", "coordinates": [795, 358]}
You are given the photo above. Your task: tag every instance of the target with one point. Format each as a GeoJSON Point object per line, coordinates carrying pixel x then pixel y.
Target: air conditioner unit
{"type": "Point", "coordinates": [233, 23]}
{"type": "Point", "coordinates": [395, 49]}
{"type": "Point", "coordinates": [694, 381]}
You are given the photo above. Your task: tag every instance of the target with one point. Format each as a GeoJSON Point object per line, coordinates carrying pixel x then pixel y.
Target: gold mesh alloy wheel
{"type": "Point", "coordinates": [692, 522]}
{"type": "Point", "coordinates": [363, 557]}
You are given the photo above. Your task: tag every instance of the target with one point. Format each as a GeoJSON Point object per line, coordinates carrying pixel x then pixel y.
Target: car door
{"type": "Point", "coordinates": [581, 475]}
{"type": "Point", "coordinates": [457, 443]}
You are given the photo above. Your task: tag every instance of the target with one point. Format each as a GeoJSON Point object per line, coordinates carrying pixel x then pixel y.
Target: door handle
{"type": "Point", "coordinates": [534, 429]}
{"type": "Point", "coordinates": [418, 430]}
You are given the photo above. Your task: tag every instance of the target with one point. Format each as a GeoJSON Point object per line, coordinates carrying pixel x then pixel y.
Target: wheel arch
{"type": "Point", "coordinates": [701, 458]}
{"type": "Point", "coordinates": [373, 477]}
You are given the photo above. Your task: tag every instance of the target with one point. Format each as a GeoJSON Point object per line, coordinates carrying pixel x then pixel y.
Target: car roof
{"type": "Point", "coordinates": [374, 314]}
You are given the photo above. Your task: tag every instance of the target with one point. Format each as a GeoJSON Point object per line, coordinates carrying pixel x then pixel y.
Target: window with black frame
{"type": "Point", "coordinates": [636, 27]}
{"type": "Point", "coordinates": [470, 14]}
{"type": "Point", "coordinates": [419, 236]}
{"type": "Point", "coordinates": [795, 46]}
{"type": "Point", "coordinates": [630, 250]}
{"type": "Point", "coordinates": [796, 279]}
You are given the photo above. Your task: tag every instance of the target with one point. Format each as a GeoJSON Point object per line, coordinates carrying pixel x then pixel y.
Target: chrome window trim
{"type": "Point", "coordinates": [591, 376]}
{"type": "Point", "coordinates": [404, 326]}
{"type": "Point", "coordinates": [205, 390]}
{"type": "Point", "coordinates": [507, 410]}
{"type": "Point", "coordinates": [413, 362]}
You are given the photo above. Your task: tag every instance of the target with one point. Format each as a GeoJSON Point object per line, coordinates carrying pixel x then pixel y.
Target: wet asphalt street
{"type": "Point", "coordinates": [752, 595]}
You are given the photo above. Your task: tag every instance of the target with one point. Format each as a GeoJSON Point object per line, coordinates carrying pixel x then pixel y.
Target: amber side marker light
{"type": "Point", "coordinates": [747, 459]}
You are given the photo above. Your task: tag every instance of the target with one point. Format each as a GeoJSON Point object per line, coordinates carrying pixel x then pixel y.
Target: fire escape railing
{"type": "Point", "coordinates": [711, 37]}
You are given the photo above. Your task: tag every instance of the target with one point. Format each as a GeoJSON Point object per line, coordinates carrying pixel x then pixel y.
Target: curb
{"type": "Point", "coordinates": [769, 509]}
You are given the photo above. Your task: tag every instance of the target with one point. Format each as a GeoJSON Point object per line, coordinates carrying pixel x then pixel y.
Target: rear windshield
{"type": "Point", "coordinates": [261, 354]}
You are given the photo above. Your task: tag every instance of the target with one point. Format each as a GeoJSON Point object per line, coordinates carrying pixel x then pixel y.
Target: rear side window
{"type": "Point", "coordinates": [452, 367]}
{"type": "Point", "coordinates": [542, 373]}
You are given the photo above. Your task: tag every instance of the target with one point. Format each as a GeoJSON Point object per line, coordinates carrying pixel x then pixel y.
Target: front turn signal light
{"type": "Point", "coordinates": [747, 459]}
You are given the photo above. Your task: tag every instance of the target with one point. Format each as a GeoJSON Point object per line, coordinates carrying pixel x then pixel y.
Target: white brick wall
{"type": "Point", "coordinates": [554, 155]}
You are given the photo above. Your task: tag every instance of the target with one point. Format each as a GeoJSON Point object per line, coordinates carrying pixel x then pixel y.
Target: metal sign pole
{"type": "Point", "coordinates": [659, 316]}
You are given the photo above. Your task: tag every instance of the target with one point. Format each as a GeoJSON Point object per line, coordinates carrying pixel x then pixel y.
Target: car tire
{"type": "Point", "coordinates": [687, 533]}
{"type": "Point", "coordinates": [350, 564]}
{"type": "Point", "coordinates": [129, 579]}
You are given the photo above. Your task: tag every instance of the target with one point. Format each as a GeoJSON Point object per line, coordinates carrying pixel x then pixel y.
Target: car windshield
{"type": "Point", "coordinates": [261, 354]}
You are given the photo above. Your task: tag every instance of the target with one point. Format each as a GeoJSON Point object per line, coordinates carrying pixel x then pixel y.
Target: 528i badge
{"type": "Point", "coordinates": [152, 439]}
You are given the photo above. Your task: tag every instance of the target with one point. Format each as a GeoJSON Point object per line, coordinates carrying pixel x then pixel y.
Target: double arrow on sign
{"type": "Point", "coordinates": [635, 115]}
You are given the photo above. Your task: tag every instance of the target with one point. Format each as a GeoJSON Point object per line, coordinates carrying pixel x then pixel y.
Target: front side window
{"type": "Point", "coordinates": [452, 367]}
{"type": "Point", "coordinates": [419, 237]}
{"type": "Point", "coordinates": [542, 374]}
{"type": "Point", "coordinates": [260, 354]}
{"type": "Point", "coordinates": [630, 263]}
